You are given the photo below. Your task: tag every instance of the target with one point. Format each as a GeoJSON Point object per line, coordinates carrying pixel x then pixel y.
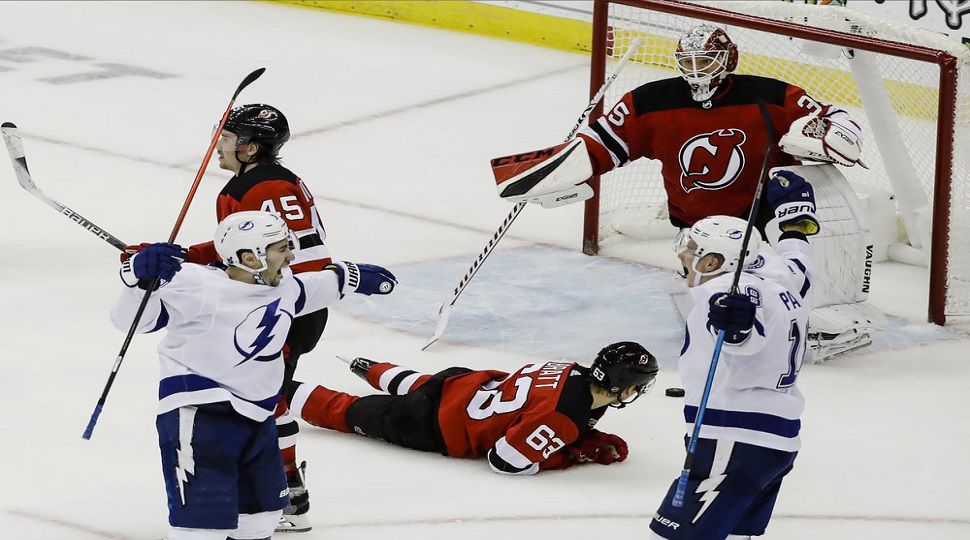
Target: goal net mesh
{"type": "Point", "coordinates": [632, 200]}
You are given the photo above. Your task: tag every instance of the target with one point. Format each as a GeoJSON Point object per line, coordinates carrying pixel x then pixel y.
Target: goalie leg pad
{"type": "Point", "coordinates": [834, 330]}
{"type": "Point", "coordinates": [525, 177]}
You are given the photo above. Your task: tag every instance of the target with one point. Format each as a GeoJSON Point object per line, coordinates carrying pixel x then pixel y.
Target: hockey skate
{"type": "Point", "coordinates": [294, 518]}
{"type": "Point", "coordinates": [360, 367]}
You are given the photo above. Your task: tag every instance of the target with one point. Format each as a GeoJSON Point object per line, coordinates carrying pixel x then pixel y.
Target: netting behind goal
{"type": "Point", "coordinates": [910, 92]}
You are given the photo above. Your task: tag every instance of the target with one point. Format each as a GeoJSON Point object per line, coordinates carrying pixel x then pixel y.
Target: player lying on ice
{"type": "Point", "coordinates": [222, 367]}
{"type": "Point", "coordinates": [705, 129]}
{"type": "Point", "coordinates": [538, 418]}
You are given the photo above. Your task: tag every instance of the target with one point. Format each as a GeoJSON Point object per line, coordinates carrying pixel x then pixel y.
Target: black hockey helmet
{"type": "Point", "coordinates": [623, 365]}
{"type": "Point", "coordinates": [262, 124]}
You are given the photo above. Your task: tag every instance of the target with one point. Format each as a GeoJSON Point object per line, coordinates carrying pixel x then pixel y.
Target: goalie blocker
{"type": "Point", "coordinates": [552, 177]}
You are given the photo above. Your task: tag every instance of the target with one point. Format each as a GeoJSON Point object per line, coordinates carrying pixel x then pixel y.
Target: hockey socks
{"type": "Point", "coordinates": [319, 406]}
{"type": "Point", "coordinates": [393, 379]}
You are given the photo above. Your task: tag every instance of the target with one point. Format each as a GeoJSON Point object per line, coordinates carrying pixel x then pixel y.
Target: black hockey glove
{"type": "Point", "coordinates": [733, 313]}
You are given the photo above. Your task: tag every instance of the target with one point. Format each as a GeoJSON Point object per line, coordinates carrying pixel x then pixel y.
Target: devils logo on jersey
{"type": "Point", "coordinates": [712, 160]}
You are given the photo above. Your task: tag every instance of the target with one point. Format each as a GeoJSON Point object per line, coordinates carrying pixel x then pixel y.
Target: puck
{"type": "Point", "coordinates": [675, 392]}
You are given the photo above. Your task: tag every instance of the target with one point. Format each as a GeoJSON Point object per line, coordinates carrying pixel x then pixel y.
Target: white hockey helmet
{"type": "Point", "coordinates": [722, 235]}
{"type": "Point", "coordinates": [252, 230]}
{"type": "Point", "coordinates": [705, 56]}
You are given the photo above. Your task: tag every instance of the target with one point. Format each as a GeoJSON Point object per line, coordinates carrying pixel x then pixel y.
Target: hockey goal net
{"type": "Point", "coordinates": [908, 88]}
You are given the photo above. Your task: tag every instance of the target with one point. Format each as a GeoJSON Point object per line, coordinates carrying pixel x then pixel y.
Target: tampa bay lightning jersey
{"type": "Point", "coordinates": [224, 337]}
{"type": "Point", "coordinates": [754, 398]}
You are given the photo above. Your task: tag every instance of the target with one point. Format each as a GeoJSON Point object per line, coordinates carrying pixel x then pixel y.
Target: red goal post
{"type": "Point", "coordinates": [915, 116]}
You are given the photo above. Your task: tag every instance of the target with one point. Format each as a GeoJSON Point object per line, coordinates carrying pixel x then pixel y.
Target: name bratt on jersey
{"type": "Point", "coordinates": [712, 160]}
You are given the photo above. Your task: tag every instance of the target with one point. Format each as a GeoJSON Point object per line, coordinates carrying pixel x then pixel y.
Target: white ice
{"type": "Point", "coordinates": [393, 126]}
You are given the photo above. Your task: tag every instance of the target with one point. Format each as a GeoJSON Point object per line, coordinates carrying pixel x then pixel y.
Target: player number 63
{"type": "Point", "coordinates": [544, 439]}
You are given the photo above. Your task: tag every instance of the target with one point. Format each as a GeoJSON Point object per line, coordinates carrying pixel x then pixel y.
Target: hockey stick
{"type": "Point", "coordinates": [678, 500]}
{"type": "Point", "coordinates": [444, 309]}
{"type": "Point", "coordinates": [11, 136]}
{"type": "Point", "coordinates": [171, 238]}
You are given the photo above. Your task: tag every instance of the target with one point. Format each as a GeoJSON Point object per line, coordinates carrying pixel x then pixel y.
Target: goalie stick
{"type": "Point", "coordinates": [678, 499]}
{"type": "Point", "coordinates": [15, 147]}
{"type": "Point", "coordinates": [444, 309]}
{"type": "Point", "coordinates": [171, 239]}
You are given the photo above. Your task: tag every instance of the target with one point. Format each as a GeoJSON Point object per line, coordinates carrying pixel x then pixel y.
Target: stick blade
{"type": "Point", "coordinates": [11, 137]}
{"type": "Point", "coordinates": [444, 311]}
{"type": "Point", "coordinates": [15, 147]}
{"type": "Point", "coordinates": [247, 81]}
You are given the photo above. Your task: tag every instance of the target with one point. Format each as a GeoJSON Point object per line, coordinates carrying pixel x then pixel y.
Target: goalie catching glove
{"type": "Point", "coordinates": [822, 138]}
{"type": "Point", "coordinates": [793, 201]}
{"type": "Point", "coordinates": [551, 177]}
{"type": "Point", "coordinates": [366, 279]}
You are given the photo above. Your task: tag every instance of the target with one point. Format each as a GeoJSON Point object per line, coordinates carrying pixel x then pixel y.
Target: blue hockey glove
{"type": "Point", "coordinates": [154, 261]}
{"type": "Point", "coordinates": [733, 313]}
{"type": "Point", "coordinates": [793, 201]}
{"type": "Point", "coordinates": [362, 278]}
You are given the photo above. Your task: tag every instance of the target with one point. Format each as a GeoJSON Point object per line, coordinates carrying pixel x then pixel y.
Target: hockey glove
{"type": "Point", "coordinates": [733, 313]}
{"type": "Point", "coordinates": [155, 261]}
{"type": "Point", "coordinates": [793, 201]}
{"type": "Point", "coordinates": [596, 446]}
{"type": "Point", "coordinates": [362, 278]}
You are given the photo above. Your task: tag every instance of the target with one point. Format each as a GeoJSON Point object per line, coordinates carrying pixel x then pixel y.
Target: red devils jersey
{"type": "Point", "coordinates": [710, 152]}
{"type": "Point", "coordinates": [273, 188]}
{"type": "Point", "coordinates": [519, 420]}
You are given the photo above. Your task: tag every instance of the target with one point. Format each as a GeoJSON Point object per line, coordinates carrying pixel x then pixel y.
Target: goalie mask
{"type": "Point", "coordinates": [721, 235]}
{"type": "Point", "coordinates": [624, 365]}
{"type": "Point", "coordinates": [260, 124]}
{"type": "Point", "coordinates": [252, 230]}
{"type": "Point", "coordinates": [705, 56]}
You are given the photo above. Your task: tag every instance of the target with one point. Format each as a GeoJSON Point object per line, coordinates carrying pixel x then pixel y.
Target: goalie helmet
{"type": "Point", "coordinates": [261, 124]}
{"type": "Point", "coordinates": [722, 235]}
{"type": "Point", "coordinates": [705, 56]}
{"type": "Point", "coordinates": [252, 230]}
{"type": "Point", "coordinates": [623, 365]}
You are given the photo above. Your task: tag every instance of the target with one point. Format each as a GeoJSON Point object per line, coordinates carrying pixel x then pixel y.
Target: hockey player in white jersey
{"type": "Point", "coordinates": [222, 367]}
{"type": "Point", "coordinates": [750, 432]}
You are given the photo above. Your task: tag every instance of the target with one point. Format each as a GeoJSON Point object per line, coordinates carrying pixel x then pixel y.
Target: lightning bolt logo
{"type": "Point", "coordinates": [185, 462]}
{"type": "Point", "coordinates": [268, 320]}
{"type": "Point", "coordinates": [707, 489]}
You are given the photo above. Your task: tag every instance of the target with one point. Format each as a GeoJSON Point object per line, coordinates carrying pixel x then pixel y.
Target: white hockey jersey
{"type": "Point", "coordinates": [225, 337]}
{"type": "Point", "coordinates": [754, 398]}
